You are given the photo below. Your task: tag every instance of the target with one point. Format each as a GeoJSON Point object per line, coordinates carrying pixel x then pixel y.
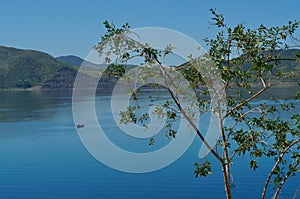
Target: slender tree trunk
{"type": "Point", "coordinates": [226, 167]}
{"type": "Point", "coordinates": [226, 175]}
{"type": "Point", "coordinates": [225, 156]}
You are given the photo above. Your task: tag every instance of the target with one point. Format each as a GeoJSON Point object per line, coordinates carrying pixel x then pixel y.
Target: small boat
{"type": "Point", "coordinates": [80, 126]}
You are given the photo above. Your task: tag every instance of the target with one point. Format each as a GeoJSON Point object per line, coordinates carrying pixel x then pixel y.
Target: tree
{"type": "Point", "coordinates": [249, 64]}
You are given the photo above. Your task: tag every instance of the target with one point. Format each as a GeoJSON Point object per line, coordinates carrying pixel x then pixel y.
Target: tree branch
{"type": "Point", "coordinates": [185, 114]}
{"type": "Point", "coordinates": [275, 165]}
{"type": "Point", "coordinates": [247, 100]}
{"type": "Point", "coordinates": [284, 180]}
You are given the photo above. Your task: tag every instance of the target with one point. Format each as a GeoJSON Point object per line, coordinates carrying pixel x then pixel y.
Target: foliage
{"type": "Point", "coordinates": [202, 169]}
{"type": "Point", "coordinates": [250, 62]}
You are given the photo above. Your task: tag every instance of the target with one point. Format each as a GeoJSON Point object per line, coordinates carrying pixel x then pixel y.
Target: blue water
{"type": "Point", "coordinates": [41, 156]}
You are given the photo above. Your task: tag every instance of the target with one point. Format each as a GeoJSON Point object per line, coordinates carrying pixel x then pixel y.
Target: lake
{"type": "Point", "coordinates": [42, 156]}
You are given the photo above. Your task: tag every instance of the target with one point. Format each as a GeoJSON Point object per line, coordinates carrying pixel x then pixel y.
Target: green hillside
{"type": "Point", "coordinates": [286, 65]}
{"type": "Point", "coordinates": [26, 68]}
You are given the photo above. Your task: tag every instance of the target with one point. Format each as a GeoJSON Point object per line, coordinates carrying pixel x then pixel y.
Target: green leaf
{"type": "Point", "coordinates": [151, 141]}
{"type": "Point", "coordinates": [253, 164]}
{"type": "Point", "coordinates": [202, 169]}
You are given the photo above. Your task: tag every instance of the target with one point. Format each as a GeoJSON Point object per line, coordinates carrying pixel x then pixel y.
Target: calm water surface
{"type": "Point", "coordinates": [41, 156]}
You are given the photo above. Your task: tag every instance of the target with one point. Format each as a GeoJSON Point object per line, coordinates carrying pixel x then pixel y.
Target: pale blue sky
{"type": "Point", "coordinates": [61, 27]}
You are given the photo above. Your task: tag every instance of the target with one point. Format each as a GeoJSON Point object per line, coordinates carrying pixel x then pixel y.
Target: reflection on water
{"type": "Point", "coordinates": [39, 105]}
{"type": "Point", "coordinates": [26, 105]}
{"type": "Point", "coordinates": [41, 156]}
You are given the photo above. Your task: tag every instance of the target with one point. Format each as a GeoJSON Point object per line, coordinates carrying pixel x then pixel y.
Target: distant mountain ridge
{"type": "Point", "coordinates": [71, 59]}
{"type": "Point", "coordinates": [27, 69]}
{"type": "Point", "coordinates": [78, 61]}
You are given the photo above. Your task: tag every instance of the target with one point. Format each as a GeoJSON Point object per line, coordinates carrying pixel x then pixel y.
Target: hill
{"type": "Point", "coordinates": [27, 68]}
{"type": "Point", "coordinates": [284, 65]}
{"type": "Point", "coordinates": [71, 59]}
{"type": "Point", "coordinates": [87, 67]}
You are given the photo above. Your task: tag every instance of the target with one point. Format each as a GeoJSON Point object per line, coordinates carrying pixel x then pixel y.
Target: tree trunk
{"type": "Point", "coordinates": [226, 175]}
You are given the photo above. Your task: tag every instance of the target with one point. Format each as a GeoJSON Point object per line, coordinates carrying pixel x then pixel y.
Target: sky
{"type": "Point", "coordinates": [65, 27]}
